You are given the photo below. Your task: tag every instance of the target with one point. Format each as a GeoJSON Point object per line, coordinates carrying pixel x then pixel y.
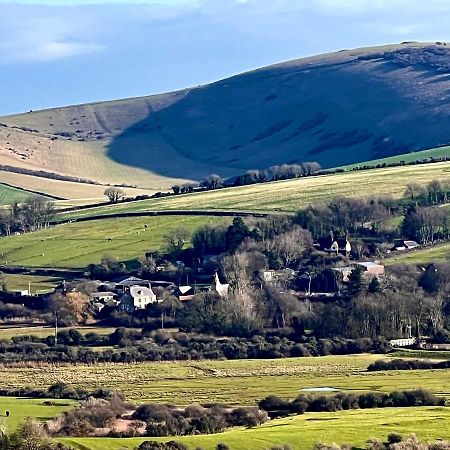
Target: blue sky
{"type": "Point", "coordinates": [59, 52]}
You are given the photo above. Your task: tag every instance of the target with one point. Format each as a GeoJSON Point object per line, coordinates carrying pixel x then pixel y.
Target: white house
{"type": "Point", "coordinates": [137, 297]}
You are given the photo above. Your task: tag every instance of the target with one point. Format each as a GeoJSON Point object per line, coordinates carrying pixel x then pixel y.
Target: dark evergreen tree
{"type": "Point", "coordinates": [355, 283]}
{"type": "Point", "coordinates": [374, 286]}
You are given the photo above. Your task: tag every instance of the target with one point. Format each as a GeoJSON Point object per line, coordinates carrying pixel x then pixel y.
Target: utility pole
{"type": "Point", "coordinates": [162, 321]}
{"type": "Point", "coordinates": [56, 328]}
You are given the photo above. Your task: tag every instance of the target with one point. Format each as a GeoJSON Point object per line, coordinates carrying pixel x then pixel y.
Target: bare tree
{"type": "Point", "coordinates": [114, 194]}
{"type": "Point", "coordinates": [214, 181]}
{"type": "Point", "coordinates": [175, 240]}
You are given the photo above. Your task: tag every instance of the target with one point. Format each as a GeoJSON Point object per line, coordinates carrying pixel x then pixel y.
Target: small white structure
{"type": "Point", "coordinates": [402, 245]}
{"type": "Point", "coordinates": [406, 342]}
{"type": "Point", "coordinates": [218, 287]}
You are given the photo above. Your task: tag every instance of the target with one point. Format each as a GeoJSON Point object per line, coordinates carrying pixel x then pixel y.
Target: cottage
{"type": "Point", "coordinates": [332, 245]}
{"type": "Point", "coordinates": [137, 297]}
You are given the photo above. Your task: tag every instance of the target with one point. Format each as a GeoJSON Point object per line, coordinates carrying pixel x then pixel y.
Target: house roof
{"type": "Point", "coordinates": [368, 264]}
{"type": "Point", "coordinates": [102, 294]}
{"type": "Point", "coordinates": [184, 289]}
{"type": "Point", "coordinates": [411, 243]}
{"type": "Point", "coordinates": [130, 281]}
{"type": "Point", "coordinates": [141, 291]}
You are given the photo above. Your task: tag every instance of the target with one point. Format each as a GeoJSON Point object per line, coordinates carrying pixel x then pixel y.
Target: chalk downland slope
{"type": "Point", "coordinates": [339, 108]}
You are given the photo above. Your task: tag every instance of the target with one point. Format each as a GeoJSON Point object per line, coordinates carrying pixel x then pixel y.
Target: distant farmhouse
{"type": "Point", "coordinates": [330, 244]}
{"type": "Point", "coordinates": [137, 297]}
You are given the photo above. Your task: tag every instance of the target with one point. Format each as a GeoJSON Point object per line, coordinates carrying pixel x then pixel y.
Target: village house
{"type": "Point", "coordinates": [137, 297]}
{"type": "Point", "coordinates": [330, 244]}
{"type": "Point", "coordinates": [371, 269]}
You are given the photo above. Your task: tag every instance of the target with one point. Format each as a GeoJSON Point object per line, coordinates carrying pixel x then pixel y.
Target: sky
{"type": "Point", "coordinates": [61, 52]}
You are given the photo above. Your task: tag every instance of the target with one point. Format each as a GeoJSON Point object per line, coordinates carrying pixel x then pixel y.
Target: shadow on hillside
{"type": "Point", "coordinates": [335, 114]}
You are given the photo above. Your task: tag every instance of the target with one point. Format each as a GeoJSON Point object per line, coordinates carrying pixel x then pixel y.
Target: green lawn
{"type": "Point", "coordinates": [21, 408]}
{"type": "Point", "coordinates": [77, 245]}
{"type": "Point", "coordinates": [301, 432]}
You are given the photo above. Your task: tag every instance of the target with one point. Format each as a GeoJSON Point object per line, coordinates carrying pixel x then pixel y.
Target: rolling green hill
{"type": "Point", "coordinates": [337, 109]}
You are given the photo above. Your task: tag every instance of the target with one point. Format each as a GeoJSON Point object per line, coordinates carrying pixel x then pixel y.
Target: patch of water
{"type": "Point", "coordinates": [320, 389]}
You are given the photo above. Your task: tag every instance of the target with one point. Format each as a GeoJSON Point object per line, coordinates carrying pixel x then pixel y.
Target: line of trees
{"type": "Point", "coordinates": [35, 213]}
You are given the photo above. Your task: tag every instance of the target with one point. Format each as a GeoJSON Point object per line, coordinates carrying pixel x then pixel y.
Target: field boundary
{"type": "Point", "coordinates": [214, 213]}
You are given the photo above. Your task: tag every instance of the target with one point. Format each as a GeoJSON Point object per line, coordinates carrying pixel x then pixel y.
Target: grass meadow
{"type": "Point", "coordinates": [77, 245]}
{"type": "Point", "coordinates": [21, 408]}
{"type": "Point", "coordinates": [9, 331]}
{"type": "Point", "coordinates": [240, 382]}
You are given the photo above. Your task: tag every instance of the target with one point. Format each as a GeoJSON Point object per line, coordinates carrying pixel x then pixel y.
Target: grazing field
{"type": "Point", "coordinates": [36, 284]}
{"type": "Point", "coordinates": [21, 408]}
{"type": "Point", "coordinates": [301, 432]}
{"type": "Point", "coordinates": [287, 196]}
{"type": "Point", "coordinates": [77, 245]}
{"type": "Point", "coordinates": [10, 195]}
{"type": "Point", "coordinates": [231, 382]}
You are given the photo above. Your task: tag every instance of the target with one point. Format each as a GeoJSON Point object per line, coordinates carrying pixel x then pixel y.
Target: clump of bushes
{"type": "Point", "coordinates": [407, 364]}
{"type": "Point", "coordinates": [167, 420]}
{"type": "Point", "coordinates": [277, 407]}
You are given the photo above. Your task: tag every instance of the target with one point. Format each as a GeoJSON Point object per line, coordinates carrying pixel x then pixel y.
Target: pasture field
{"type": "Point", "coordinates": [9, 331]}
{"type": "Point", "coordinates": [77, 245]}
{"type": "Point", "coordinates": [289, 195]}
{"type": "Point", "coordinates": [10, 195]}
{"type": "Point", "coordinates": [21, 408]}
{"type": "Point", "coordinates": [301, 432]}
{"type": "Point", "coordinates": [19, 282]}
{"type": "Point", "coordinates": [240, 382]}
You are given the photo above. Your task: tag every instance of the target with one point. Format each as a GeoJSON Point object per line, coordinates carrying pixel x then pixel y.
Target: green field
{"type": "Point", "coordinates": [301, 432]}
{"type": "Point", "coordinates": [10, 195]}
{"type": "Point", "coordinates": [80, 244]}
{"type": "Point", "coordinates": [21, 408]}
{"type": "Point", "coordinates": [20, 282]}
{"type": "Point", "coordinates": [289, 195]}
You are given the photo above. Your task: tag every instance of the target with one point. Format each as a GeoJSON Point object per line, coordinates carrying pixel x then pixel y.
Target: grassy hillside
{"type": "Point", "coordinates": [77, 245]}
{"type": "Point", "coordinates": [289, 195]}
{"type": "Point", "coordinates": [340, 108]}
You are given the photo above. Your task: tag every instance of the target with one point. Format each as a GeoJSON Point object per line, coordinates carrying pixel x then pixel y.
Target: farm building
{"type": "Point", "coordinates": [401, 245]}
